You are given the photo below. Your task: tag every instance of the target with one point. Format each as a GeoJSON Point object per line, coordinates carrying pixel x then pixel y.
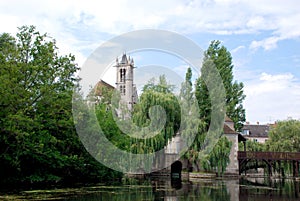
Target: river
{"type": "Point", "coordinates": [208, 190]}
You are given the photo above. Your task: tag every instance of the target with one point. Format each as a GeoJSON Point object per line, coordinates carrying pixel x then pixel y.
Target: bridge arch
{"type": "Point", "coordinates": [176, 169]}
{"type": "Point", "coordinates": [264, 163]}
{"type": "Point", "coordinates": [270, 158]}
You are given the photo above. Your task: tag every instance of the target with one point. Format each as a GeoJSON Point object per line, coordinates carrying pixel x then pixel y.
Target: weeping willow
{"type": "Point", "coordinates": [141, 117]}
{"type": "Point", "coordinates": [218, 158]}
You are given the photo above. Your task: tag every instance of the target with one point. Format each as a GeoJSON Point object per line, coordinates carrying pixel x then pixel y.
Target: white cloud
{"type": "Point", "coordinates": [237, 49]}
{"type": "Point", "coordinates": [272, 97]}
{"type": "Point", "coordinates": [281, 18]}
{"type": "Point", "coordinates": [267, 44]}
{"type": "Point", "coordinates": [276, 78]}
{"type": "Point", "coordinates": [120, 16]}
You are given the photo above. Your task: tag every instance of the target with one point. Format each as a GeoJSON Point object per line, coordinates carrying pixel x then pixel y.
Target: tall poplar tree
{"type": "Point", "coordinates": [222, 60]}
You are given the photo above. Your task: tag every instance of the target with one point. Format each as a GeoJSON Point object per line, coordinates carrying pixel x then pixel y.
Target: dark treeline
{"type": "Point", "coordinates": [38, 140]}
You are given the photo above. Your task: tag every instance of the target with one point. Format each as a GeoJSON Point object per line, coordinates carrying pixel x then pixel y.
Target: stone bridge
{"type": "Point", "coordinates": [171, 152]}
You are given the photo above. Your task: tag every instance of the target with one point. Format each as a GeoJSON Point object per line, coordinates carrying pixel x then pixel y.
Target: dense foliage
{"type": "Point", "coordinates": [218, 159]}
{"type": "Point", "coordinates": [284, 136]}
{"type": "Point", "coordinates": [192, 126]}
{"type": "Point", "coordinates": [157, 97]}
{"type": "Point", "coordinates": [38, 141]}
{"type": "Point", "coordinates": [219, 57]}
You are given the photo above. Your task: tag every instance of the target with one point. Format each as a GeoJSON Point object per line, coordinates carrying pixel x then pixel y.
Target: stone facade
{"type": "Point", "coordinates": [174, 145]}
{"type": "Point", "coordinates": [124, 81]}
{"type": "Point", "coordinates": [233, 166]}
{"type": "Point", "coordinates": [233, 136]}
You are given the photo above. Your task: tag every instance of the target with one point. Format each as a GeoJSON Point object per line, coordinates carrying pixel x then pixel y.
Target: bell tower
{"type": "Point", "coordinates": [124, 81]}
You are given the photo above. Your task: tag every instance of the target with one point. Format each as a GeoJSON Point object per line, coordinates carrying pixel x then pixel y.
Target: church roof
{"type": "Point", "coordinates": [99, 87]}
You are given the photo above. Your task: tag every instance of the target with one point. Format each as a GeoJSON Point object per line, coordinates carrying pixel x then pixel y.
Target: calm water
{"type": "Point", "coordinates": [214, 190]}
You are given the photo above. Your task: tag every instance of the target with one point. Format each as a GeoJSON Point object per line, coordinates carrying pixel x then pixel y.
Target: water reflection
{"type": "Point", "coordinates": [269, 189]}
{"type": "Point", "coordinates": [206, 190]}
{"type": "Point", "coordinates": [249, 189]}
{"type": "Point", "coordinates": [209, 190]}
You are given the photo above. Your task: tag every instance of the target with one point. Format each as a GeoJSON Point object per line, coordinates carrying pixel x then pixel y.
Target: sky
{"type": "Point", "coordinates": [263, 38]}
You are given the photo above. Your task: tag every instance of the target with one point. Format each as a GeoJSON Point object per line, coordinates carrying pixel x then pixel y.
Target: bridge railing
{"type": "Point", "coordinates": [269, 155]}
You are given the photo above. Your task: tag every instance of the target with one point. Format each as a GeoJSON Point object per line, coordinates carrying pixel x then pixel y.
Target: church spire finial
{"type": "Point", "coordinates": [124, 59]}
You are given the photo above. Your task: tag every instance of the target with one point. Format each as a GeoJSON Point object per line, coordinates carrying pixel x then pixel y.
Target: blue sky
{"type": "Point", "coordinates": [262, 36]}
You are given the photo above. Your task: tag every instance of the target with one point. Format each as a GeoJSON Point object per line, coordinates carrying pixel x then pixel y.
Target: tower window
{"type": "Point", "coordinates": [122, 75]}
{"type": "Point", "coordinates": [122, 90]}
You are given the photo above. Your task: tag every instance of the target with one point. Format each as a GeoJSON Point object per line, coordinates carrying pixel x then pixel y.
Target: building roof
{"type": "Point", "coordinates": [227, 119]}
{"type": "Point", "coordinates": [100, 85]}
{"type": "Point", "coordinates": [228, 130]}
{"type": "Point", "coordinates": [256, 130]}
{"type": "Point", "coordinates": [103, 83]}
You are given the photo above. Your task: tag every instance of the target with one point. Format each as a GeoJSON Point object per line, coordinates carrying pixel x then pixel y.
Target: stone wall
{"type": "Point", "coordinates": [233, 166]}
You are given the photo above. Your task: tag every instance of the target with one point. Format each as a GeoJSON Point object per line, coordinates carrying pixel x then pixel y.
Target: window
{"type": "Point", "coordinates": [245, 132]}
{"type": "Point", "coordinates": [122, 90]}
{"type": "Point", "coordinates": [122, 75]}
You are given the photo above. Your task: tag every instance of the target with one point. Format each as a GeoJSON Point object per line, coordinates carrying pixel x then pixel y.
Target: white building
{"type": "Point", "coordinates": [256, 132]}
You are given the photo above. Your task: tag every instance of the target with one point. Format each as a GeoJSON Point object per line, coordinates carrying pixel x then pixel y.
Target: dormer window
{"type": "Point", "coordinates": [245, 132]}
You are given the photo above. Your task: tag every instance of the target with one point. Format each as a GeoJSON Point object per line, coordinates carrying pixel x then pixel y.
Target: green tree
{"type": "Point", "coordinates": [218, 159]}
{"type": "Point", "coordinates": [252, 146]}
{"type": "Point", "coordinates": [162, 86]}
{"type": "Point", "coordinates": [284, 136]}
{"type": "Point", "coordinates": [191, 126]}
{"type": "Point", "coordinates": [38, 141]}
{"type": "Point", "coordinates": [222, 60]}
{"type": "Point", "coordinates": [217, 57]}
{"type": "Point", "coordinates": [157, 94]}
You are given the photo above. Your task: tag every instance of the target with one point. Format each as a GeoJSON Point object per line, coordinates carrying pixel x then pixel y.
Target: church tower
{"type": "Point", "coordinates": [124, 81]}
